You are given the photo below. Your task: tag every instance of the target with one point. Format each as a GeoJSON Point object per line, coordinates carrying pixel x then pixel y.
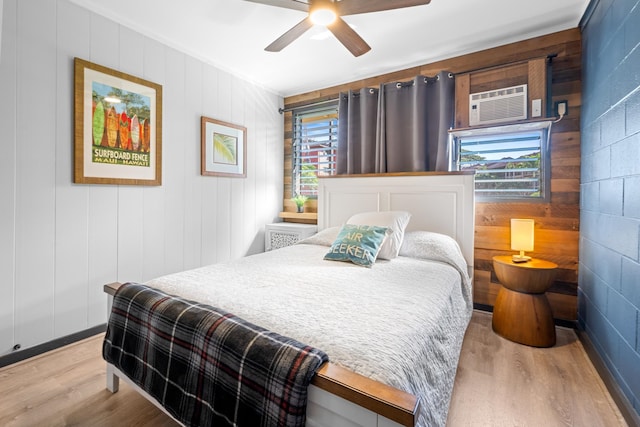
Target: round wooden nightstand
{"type": "Point", "coordinates": [522, 312]}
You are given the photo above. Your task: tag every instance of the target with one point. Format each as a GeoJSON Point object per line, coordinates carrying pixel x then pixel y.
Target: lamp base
{"type": "Point", "coordinates": [520, 258]}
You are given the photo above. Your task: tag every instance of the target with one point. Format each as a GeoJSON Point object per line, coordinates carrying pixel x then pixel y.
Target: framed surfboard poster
{"type": "Point", "coordinates": [118, 127]}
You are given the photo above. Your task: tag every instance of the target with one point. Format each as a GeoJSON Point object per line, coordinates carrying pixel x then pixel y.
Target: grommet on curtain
{"type": "Point", "coordinates": [438, 77]}
{"type": "Point", "coordinates": [405, 84]}
{"type": "Point", "coordinates": [371, 91]}
{"type": "Point", "coordinates": [450, 75]}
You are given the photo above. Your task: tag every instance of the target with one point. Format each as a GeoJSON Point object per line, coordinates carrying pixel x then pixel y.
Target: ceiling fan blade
{"type": "Point", "coordinates": [349, 38]}
{"type": "Point", "coordinates": [353, 7]}
{"type": "Point", "coordinates": [287, 4]}
{"type": "Point", "coordinates": [288, 37]}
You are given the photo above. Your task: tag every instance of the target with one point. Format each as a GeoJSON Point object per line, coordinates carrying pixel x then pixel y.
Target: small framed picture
{"type": "Point", "coordinates": [224, 147]}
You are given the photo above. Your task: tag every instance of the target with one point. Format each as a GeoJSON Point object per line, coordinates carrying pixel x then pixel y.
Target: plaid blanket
{"type": "Point", "coordinates": [206, 366]}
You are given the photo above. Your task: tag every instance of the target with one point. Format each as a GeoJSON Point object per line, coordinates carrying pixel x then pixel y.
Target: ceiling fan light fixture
{"type": "Point", "coordinates": [329, 13]}
{"type": "Point", "coordinates": [322, 12]}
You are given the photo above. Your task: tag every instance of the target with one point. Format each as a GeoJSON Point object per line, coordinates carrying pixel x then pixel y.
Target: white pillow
{"type": "Point", "coordinates": [324, 237]}
{"type": "Point", "coordinates": [395, 220]}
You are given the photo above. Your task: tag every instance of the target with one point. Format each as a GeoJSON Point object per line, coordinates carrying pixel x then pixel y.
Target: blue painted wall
{"type": "Point", "coordinates": [609, 274]}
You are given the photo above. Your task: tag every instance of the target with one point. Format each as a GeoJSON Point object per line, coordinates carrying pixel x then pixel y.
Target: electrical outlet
{"type": "Point", "coordinates": [561, 108]}
{"type": "Point", "coordinates": [536, 108]}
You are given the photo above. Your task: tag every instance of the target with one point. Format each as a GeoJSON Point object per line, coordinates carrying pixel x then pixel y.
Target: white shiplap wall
{"type": "Point", "coordinates": [59, 241]}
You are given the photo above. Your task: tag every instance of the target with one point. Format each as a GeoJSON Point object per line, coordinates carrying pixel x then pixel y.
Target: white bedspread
{"type": "Point", "coordinates": [401, 322]}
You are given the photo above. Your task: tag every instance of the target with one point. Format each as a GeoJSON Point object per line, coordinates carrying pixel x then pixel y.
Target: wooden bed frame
{"type": "Point", "coordinates": [440, 202]}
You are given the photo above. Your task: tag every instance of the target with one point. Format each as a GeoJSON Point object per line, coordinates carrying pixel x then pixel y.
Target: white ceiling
{"type": "Point", "coordinates": [232, 35]}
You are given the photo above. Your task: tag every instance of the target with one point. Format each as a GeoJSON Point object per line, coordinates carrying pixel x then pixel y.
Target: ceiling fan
{"type": "Point", "coordinates": [330, 13]}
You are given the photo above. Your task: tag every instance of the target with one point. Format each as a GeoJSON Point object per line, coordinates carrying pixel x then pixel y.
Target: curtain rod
{"type": "Point", "coordinates": [326, 101]}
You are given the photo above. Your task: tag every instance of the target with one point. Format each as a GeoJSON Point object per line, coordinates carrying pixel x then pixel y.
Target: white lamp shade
{"type": "Point", "coordinates": [521, 234]}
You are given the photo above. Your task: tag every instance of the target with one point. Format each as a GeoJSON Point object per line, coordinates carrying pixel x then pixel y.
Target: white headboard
{"type": "Point", "coordinates": [439, 202]}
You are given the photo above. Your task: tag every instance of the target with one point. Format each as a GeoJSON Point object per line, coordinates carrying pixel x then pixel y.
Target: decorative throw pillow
{"type": "Point", "coordinates": [395, 220]}
{"type": "Point", "coordinates": [358, 244]}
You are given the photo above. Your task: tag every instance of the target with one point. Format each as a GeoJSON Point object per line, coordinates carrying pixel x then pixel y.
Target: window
{"type": "Point", "coordinates": [511, 162]}
{"type": "Point", "coordinates": [315, 145]}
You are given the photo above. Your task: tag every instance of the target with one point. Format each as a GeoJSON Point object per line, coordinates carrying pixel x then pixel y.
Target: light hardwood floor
{"type": "Point", "coordinates": [499, 383]}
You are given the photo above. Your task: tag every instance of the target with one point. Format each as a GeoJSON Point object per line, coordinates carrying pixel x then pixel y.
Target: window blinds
{"type": "Point", "coordinates": [315, 143]}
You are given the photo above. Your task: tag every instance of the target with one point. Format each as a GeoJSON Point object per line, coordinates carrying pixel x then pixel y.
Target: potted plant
{"type": "Point", "coordinates": [300, 200]}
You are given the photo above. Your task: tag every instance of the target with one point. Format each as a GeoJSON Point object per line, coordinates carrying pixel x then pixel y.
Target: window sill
{"type": "Point", "coordinates": [305, 217]}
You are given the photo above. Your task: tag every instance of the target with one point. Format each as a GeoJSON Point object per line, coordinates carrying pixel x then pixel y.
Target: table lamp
{"type": "Point", "coordinates": [521, 238]}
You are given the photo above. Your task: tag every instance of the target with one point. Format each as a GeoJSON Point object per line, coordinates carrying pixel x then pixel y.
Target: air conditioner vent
{"type": "Point", "coordinates": [496, 106]}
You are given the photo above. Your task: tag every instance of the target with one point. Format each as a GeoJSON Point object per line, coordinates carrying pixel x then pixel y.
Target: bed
{"type": "Point", "coordinates": [365, 382]}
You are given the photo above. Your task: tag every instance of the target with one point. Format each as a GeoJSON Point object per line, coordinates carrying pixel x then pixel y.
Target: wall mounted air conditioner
{"type": "Point", "coordinates": [496, 106]}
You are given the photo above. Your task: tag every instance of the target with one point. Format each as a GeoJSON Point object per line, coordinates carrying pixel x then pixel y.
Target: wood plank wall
{"type": "Point", "coordinates": [557, 222]}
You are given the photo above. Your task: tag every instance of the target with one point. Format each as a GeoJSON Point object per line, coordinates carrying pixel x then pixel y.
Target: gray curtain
{"type": "Point", "coordinates": [359, 110]}
{"type": "Point", "coordinates": [405, 131]}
